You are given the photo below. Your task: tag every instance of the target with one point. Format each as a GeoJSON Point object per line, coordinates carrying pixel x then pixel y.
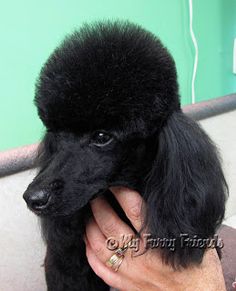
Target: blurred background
{"type": "Point", "coordinates": [30, 30]}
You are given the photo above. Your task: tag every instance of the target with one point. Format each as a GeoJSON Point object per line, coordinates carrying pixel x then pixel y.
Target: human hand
{"type": "Point", "coordinates": [146, 271]}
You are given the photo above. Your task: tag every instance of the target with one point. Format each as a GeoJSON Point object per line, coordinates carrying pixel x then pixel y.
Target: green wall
{"type": "Point", "coordinates": [215, 29]}
{"type": "Point", "coordinates": [30, 30]}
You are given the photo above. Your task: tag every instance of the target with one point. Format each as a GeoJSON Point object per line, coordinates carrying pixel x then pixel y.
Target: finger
{"type": "Point", "coordinates": [97, 241]}
{"type": "Point", "coordinates": [107, 220]}
{"type": "Point", "coordinates": [106, 274]}
{"type": "Point", "coordinates": [132, 204]}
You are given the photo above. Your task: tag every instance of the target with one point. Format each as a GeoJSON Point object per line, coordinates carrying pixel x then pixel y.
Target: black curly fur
{"type": "Point", "coordinates": [118, 78]}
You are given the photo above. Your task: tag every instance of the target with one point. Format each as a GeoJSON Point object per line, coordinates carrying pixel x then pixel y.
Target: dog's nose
{"type": "Point", "coordinates": [37, 200]}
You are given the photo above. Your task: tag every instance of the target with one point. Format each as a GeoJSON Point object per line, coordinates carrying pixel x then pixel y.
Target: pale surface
{"type": "Point", "coordinates": [21, 247]}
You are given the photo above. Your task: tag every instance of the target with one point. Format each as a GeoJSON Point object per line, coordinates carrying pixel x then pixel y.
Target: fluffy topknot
{"type": "Point", "coordinates": [108, 75]}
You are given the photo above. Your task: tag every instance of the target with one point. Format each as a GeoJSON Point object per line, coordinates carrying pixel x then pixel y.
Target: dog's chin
{"type": "Point", "coordinates": [52, 209]}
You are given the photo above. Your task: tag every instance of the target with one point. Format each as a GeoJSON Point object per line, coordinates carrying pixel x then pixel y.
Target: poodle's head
{"type": "Point", "coordinates": [108, 96]}
{"type": "Point", "coordinates": [103, 93]}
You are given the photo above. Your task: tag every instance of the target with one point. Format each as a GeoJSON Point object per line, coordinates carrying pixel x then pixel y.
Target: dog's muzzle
{"type": "Point", "coordinates": [39, 199]}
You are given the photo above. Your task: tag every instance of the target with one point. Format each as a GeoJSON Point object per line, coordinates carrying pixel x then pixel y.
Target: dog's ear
{"type": "Point", "coordinates": [185, 190]}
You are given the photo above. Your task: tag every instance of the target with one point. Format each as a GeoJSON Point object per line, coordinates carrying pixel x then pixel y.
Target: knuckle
{"type": "Point", "coordinates": [110, 227]}
{"type": "Point", "coordinates": [134, 212]}
{"type": "Point", "coordinates": [97, 247]}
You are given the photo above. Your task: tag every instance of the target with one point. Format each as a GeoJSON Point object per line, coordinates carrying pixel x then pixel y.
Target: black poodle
{"type": "Point", "coordinates": [108, 96]}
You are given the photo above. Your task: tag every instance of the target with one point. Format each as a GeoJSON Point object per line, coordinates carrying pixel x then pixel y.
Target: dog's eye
{"type": "Point", "coordinates": [101, 139]}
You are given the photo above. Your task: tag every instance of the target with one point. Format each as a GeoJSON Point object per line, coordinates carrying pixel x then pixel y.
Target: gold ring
{"type": "Point", "coordinates": [115, 261]}
{"type": "Point", "coordinates": [117, 258]}
{"type": "Point", "coordinates": [118, 263]}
